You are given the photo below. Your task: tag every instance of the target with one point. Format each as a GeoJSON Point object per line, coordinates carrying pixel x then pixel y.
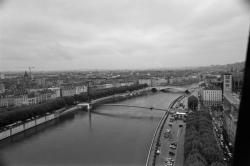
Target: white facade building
{"type": "Point", "coordinates": [81, 89]}
{"type": "Point", "coordinates": [108, 86]}
{"type": "Point", "coordinates": [145, 81]}
{"type": "Point", "coordinates": [68, 91]}
{"type": "Point", "coordinates": [211, 95]}
{"type": "Point", "coordinates": [127, 83]}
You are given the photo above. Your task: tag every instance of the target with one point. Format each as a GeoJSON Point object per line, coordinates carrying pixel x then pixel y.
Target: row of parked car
{"type": "Point", "coordinates": [173, 146]}
{"type": "Point", "coordinates": [170, 161]}
{"type": "Point", "coordinates": [227, 152]}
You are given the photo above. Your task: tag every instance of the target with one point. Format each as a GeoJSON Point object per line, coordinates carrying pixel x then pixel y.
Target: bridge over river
{"type": "Point", "coordinates": [171, 88]}
{"type": "Point", "coordinates": [122, 137]}
{"type": "Point", "coordinates": [170, 110]}
{"type": "Point", "coordinates": [134, 106]}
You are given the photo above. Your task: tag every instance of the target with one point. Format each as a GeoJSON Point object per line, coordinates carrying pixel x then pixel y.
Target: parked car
{"type": "Point", "coordinates": [169, 164]}
{"type": "Point", "coordinates": [171, 153]}
{"type": "Point", "coordinates": [158, 152]}
{"type": "Point", "coordinates": [174, 144]}
{"type": "Point", "coordinates": [169, 159]}
{"type": "Point", "coordinates": [166, 134]}
{"type": "Point", "coordinates": [172, 147]}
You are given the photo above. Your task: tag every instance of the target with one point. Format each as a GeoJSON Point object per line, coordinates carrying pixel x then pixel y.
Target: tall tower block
{"type": "Point", "coordinates": [227, 83]}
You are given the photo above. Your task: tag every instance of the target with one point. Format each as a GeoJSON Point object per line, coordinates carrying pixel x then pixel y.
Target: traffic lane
{"type": "Point", "coordinates": [178, 137]}
{"type": "Point", "coordinates": [164, 144]}
{"type": "Point", "coordinates": [179, 158]}
{"type": "Point", "coordinates": [165, 149]}
{"type": "Point", "coordinates": [176, 133]}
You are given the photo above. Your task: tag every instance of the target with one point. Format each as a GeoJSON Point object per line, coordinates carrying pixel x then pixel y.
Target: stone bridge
{"type": "Point", "coordinates": [170, 89]}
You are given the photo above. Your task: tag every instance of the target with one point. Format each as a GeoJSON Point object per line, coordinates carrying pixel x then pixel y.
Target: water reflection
{"type": "Point", "coordinates": [127, 116]}
{"type": "Point", "coordinates": [2, 162]}
{"type": "Point", "coordinates": [90, 122]}
{"type": "Point", "coordinates": [34, 132]}
{"type": "Point", "coordinates": [107, 136]}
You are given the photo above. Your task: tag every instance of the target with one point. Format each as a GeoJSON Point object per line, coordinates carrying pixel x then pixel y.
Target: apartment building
{"type": "Point", "coordinates": [211, 94]}
{"type": "Point", "coordinates": [231, 104]}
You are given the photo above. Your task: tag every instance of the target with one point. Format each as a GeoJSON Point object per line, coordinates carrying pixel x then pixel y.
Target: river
{"type": "Point", "coordinates": [109, 136]}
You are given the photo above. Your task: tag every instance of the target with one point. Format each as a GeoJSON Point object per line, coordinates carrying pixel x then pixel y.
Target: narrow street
{"type": "Point", "coordinates": [220, 138]}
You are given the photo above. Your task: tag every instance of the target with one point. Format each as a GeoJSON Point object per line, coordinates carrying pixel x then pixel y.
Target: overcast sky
{"type": "Point", "coordinates": [121, 34]}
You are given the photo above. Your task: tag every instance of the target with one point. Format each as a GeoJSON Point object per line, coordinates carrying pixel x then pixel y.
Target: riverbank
{"type": "Point", "coordinates": [79, 138]}
{"type": "Point", "coordinates": [21, 126]}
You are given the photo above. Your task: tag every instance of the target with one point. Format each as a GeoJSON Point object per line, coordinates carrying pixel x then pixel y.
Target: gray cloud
{"type": "Point", "coordinates": [62, 34]}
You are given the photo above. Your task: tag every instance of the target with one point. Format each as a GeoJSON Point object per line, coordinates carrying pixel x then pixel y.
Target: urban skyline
{"type": "Point", "coordinates": [120, 69]}
{"type": "Point", "coordinates": [123, 82]}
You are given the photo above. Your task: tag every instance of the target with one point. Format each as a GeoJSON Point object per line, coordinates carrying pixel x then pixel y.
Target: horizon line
{"type": "Point", "coordinates": [125, 69]}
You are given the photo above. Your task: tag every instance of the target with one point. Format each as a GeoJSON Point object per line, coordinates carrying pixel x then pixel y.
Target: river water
{"type": "Point", "coordinates": [109, 136]}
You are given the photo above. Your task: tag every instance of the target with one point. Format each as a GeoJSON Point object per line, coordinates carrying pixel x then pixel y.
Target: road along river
{"type": "Point", "coordinates": [109, 136]}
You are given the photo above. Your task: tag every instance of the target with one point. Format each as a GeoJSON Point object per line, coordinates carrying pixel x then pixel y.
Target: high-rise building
{"type": "Point", "coordinates": [237, 82]}
{"type": "Point", "coordinates": [227, 83]}
{"type": "Point", "coordinates": [231, 103]}
{"type": "Point", "coordinates": [211, 94]}
{"type": "Point", "coordinates": [2, 88]}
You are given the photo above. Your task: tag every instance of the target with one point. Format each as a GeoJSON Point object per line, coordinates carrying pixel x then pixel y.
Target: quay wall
{"type": "Point", "coordinates": [19, 127]}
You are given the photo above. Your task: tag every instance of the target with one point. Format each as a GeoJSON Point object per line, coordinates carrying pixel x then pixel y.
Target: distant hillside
{"type": "Point", "coordinates": [238, 66]}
